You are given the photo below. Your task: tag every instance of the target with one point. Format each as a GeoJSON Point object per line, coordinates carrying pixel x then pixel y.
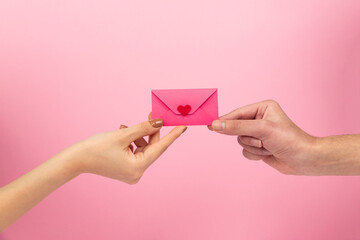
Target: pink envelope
{"type": "Point", "coordinates": [185, 106]}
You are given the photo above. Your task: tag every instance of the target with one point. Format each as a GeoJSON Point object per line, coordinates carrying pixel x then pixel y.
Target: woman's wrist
{"type": "Point", "coordinates": [69, 161]}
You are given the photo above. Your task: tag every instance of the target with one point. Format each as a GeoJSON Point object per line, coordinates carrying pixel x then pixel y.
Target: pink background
{"type": "Point", "coordinates": [72, 68]}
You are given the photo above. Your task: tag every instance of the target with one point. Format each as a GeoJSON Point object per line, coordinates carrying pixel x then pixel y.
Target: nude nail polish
{"type": "Point", "coordinates": [156, 123]}
{"type": "Point", "coordinates": [184, 130]}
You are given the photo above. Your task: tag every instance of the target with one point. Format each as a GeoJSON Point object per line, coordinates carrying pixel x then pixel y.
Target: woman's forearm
{"type": "Point", "coordinates": [109, 154]}
{"type": "Point", "coordinates": [24, 193]}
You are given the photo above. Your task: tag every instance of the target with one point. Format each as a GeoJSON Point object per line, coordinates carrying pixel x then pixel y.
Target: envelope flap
{"type": "Point", "coordinates": [173, 98]}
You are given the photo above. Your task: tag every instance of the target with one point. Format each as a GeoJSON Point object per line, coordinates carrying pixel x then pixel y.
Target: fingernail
{"type": "Point", "coordinates": [184, 129]}
{"type": "Point", "coordinates": [218, 125]}
{"type": "Point", "coordinates": [156, 123]}
{"type": "Point", "coordinates": [256, 143]}
{"type": "Point", "coordinates": [122, 126]}
{"type": "Point", "coordinates": [150, 116]}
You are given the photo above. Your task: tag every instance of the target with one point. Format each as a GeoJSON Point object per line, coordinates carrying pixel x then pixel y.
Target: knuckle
{"type": "Point", "coordinates": [150, 154]}
{"type": "Point", "coordinates": [266, 125]}
{"type": "Point", "coordinates": [271, 102]}
{"type": "Point", "coordinates": [122, 133]}
{"type": "Point", "coordinates": [144, 127]}
{"type": "Point", "coordinates": [263, 125]}
{"type": "Point", "coordinates": [270, 127]}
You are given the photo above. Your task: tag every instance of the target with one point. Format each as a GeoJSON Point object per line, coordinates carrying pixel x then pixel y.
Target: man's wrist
{"type": "Point", "coordinates": [336, 155]}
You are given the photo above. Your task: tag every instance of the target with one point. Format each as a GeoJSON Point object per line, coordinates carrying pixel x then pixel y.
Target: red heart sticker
{"type": "Point", "coordinates": [184, 110]}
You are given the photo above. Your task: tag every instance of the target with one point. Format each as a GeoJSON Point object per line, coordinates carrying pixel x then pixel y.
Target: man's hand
{"type": "Point", "coordinates": [266, 133]}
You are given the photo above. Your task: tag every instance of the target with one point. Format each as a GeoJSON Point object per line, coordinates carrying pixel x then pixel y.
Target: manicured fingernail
{"type": "Point", "coordinates": [218, 125]}
{"type": "Point", "coordinates": [184, 129]}
{"type": "Point", "coordinates": [156, 123]}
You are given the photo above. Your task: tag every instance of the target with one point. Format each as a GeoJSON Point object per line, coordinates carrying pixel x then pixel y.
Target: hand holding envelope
{"type": "Point", "coordinates": [185, 106]}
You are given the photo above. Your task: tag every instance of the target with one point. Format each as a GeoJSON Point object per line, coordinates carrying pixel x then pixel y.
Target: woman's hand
{"type": "Point", "coordinates": [108, 154]}
{"type": "Point", "coordinates": [112, 154]}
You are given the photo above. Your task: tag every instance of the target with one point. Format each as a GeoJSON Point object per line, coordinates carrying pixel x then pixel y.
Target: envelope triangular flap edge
{"type": "Point", "coordinates": [173, 98]}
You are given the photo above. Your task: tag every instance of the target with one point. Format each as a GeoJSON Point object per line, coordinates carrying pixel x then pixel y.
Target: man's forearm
{"type": "Point", "coordinates": [337, 155]}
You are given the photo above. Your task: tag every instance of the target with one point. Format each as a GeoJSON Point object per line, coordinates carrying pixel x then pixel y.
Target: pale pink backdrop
{"type": "Point", "coordinates": [72, 68]}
